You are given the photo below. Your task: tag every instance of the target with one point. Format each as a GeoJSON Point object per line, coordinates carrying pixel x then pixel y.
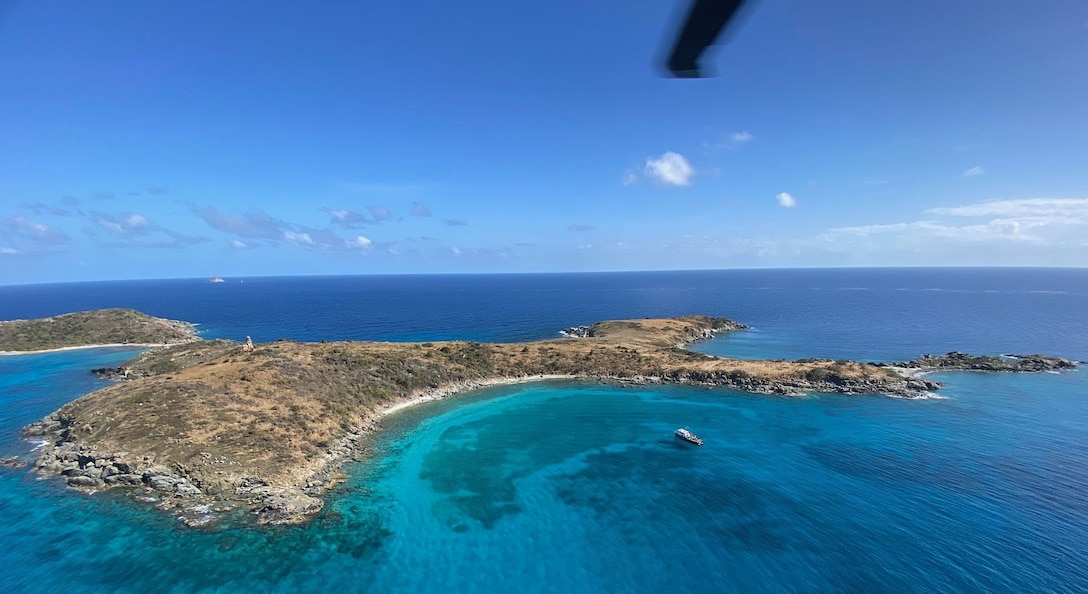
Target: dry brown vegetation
{"type": "Point", "coordinates": [101, 326]}
{"type": "Point", "coordinates": [221, 416]}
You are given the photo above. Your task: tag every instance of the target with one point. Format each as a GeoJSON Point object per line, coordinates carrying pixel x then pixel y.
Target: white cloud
{"type": "Point", "coordinates": [240, 245]}
{"type": "Point", "coordinates": [380, 213]}
{"type": "Point", "coordinates": [922, 231]}
{"type": "Point", "coordinates": [456, 251]}
{"type": "Point", "coordinates": [1027, 232]}
{"type": "Point", "coordinates": [19, 229]}
{"type": "Point", "coordinates": [249, 225]}
{"type": "Point", "coordinates": [346, 219]}
{"type": "Point", "coordinates": [31, 225]}
{"type": "Point", "coordinates": [629, 178]}
{"type": "Point", "coordinates": [133, 230]}
{"type": "Point", "coordinates": [361, 242]}
{"type": "Point", "coordinates": [972, 172]}
{"type": "Point", "coordinates": [299, 238]}
{"type": "Point", "coordinates": [260, 225]}
{"type": "Point", "coordinates": [1043, 222]}
{"type": "Point", "coordinates": [741, 137]}
{"type": "Point", "coordinates": [111, 226]}
{"type": "Point", "coordinates": [126, 224]}
{"type": "Point", "coordinates": [1050, 210]}
{"type": "Point", "coordinates": [786, 200]}
{"type": "Point", "coordinates": [670, 169]}
{"type": "Point", "coordinates": [730, 141]}
{"type": "Point", "coordinates": [8, 251]}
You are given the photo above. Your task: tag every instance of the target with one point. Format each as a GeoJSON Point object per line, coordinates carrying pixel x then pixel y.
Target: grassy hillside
{"type": "Point", "coordinates": [101, 326]}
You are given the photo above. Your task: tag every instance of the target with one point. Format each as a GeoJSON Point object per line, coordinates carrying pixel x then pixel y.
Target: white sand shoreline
{"type": "Point", "coordinates": [89, 346]}
{"type": "Point", "coordinates": [448, 390]}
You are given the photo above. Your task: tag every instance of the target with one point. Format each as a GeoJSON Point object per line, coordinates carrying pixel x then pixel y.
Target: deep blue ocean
{"type": "Point", "coordinates": [580, 487]}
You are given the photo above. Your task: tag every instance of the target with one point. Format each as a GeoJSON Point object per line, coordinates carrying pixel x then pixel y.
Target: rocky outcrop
{"type": "Point", "coordinates": [87, 467]}
{"type": "Point", "coordinates": [708, 327]}
{"type": "Point", "coordinates": [172, 487]}
{"type": "Point", "coordinates": [817, 380]}
{"type": "Point", "coordinates": [118, 373]}
{"type": "Point", "coordinates": [577, 332]}
{"type": "Point", "coordinates": [956, 360]}
{"type": "Point", "coordinates": [13, 462]}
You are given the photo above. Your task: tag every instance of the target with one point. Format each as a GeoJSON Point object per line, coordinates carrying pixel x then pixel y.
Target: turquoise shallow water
{"type": "Point", "coordinates": [579, 487]}
{"type": "Point", "coordinates": [576, 487]}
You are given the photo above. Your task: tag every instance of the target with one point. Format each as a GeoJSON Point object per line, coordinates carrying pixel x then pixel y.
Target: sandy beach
{"type": "Point", "coordinates": [87, 346]}
{"type": "Point", "coordinates": [455, 388]}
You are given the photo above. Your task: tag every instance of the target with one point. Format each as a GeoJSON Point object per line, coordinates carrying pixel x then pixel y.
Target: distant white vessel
{"type": "Point", "coordinates": [688, 436]}
{"type": "Point", "coordinates": [216, 279]}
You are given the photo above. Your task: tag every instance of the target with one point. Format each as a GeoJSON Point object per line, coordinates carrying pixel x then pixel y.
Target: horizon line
{"type": "Point", "coordinates": [543, 273]}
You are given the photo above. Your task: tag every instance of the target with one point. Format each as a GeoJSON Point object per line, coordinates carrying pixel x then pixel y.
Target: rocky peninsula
{"type": "Point", "coordinates": [956, 360]}
{"type": "Point", "coordinates": [210, 426]}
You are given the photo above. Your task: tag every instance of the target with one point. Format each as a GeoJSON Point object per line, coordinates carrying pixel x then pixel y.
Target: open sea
{"type": "Point", "coordinates": [580, 487]}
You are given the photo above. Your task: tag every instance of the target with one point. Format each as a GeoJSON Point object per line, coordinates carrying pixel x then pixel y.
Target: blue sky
{"type": "Point", "coordinates": [191, 139]}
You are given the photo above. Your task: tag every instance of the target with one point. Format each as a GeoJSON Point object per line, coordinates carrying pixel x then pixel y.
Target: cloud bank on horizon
{"type": "Point", "coordinates": [1018, 231]}
{"type": "Point", "coordinates": [179, 160]}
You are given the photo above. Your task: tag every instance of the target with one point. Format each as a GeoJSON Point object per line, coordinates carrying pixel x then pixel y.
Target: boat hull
{"type": "Point", "coordinates": [689, 438]}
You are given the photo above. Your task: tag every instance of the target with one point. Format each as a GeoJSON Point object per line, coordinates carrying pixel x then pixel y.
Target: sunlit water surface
{"type": "Point", "coordinates": [567, 486]}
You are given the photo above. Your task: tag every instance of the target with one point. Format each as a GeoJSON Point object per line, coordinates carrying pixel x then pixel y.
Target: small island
{"type": "Point", "coordinates": [211, 426]}
{"type": "Point", "coordinates": [955, 361]}
{"type": "Point", "coordinates": [100, 327]}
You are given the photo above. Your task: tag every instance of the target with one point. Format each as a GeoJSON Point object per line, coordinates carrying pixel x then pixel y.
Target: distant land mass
{"type": "Point", "coordinates": [92, 328]}
{"type": "Point", "coordinates": [213, 426]}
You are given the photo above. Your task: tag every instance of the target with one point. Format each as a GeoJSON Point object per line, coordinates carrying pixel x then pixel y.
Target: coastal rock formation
{"type": "Point", "coordinates": [116, 373]}
{"type": "Point", "coordinates": [212, 426]}
{"type": "Point", "coordinates": [957, 360]}
{"type": "Point", "coordinates": [101, 326]}
{"type": "Point", "coordinates": [175, 358]}
{"type": "Point", "coordinates": [13, 462]}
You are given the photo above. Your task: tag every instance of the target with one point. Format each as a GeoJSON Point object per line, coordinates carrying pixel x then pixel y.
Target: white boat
{"type": "Point", "coordinates": [688, 436]}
